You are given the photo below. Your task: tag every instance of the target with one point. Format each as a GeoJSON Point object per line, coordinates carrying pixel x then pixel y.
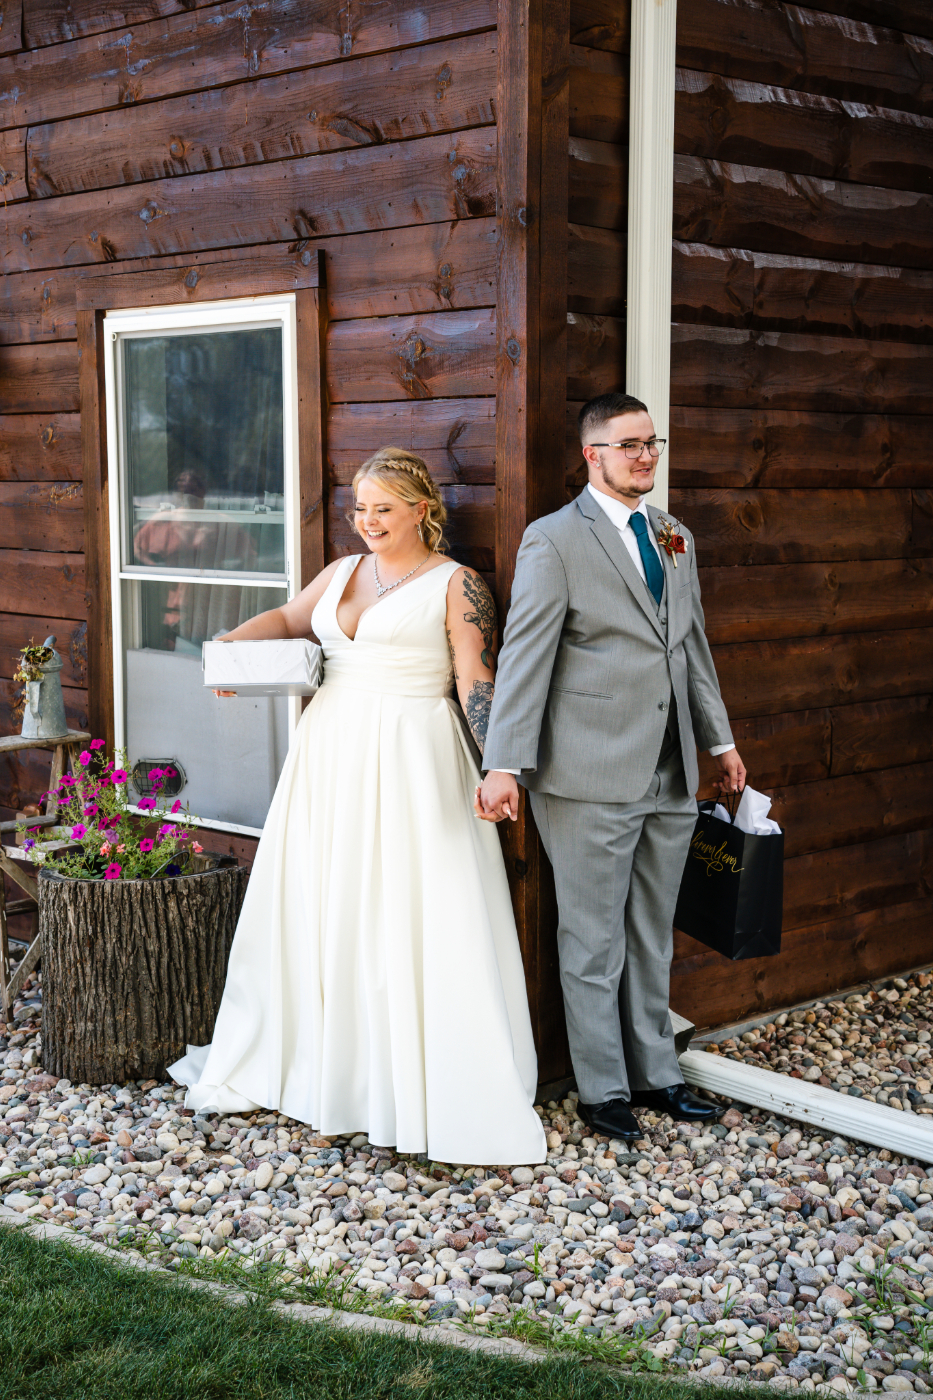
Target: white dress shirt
{"type": "Point", "coordinates": [620, 515]}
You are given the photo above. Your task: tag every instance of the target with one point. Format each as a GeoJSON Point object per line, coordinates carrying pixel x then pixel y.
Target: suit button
{"type": "Point", "coordinates": [662, 705]}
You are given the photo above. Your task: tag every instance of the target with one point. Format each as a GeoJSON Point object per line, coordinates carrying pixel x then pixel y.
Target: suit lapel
{"type": "Point", "coordinates": [657, 519]}
{"type": "Point", "coordinates": [608, 536]}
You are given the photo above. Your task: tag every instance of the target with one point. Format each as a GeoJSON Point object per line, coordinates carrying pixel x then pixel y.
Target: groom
{"type": "Point", "coordinates": [605, 690]}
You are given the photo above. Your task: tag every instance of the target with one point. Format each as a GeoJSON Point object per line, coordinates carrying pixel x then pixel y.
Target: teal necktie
{"type": "Point", "coordinates": [654, 574]}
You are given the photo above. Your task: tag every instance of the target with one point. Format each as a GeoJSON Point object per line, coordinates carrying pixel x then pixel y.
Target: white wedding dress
{"type": "Point", "coordinates": [375, 982]}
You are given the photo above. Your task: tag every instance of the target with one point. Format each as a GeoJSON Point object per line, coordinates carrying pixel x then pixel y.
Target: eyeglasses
{"type": "Point", "coordinates": [634, 450]}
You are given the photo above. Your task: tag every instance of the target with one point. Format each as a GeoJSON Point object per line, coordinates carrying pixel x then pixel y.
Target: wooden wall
{"type": "Point", "coordinates": [801, 439]}
{"type": "Point", "coordinates": [173, 133]}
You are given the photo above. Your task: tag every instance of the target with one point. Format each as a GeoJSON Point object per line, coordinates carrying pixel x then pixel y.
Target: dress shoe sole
{"type": "Point", "coordinates": [693, 1117]}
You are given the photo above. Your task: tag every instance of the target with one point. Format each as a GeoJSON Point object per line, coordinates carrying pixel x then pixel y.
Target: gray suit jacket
{"type": "Point", "coordinates": [588, 670]}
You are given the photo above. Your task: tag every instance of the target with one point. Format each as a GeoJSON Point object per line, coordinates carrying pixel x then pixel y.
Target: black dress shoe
{"type": "Point", "coordinates": [614, 1117]}
{"type": "Point", "coordinates": [678, 1101]}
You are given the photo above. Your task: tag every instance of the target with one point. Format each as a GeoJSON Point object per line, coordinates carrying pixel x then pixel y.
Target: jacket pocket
{"type": "Point", "coordinates": [572, 690]}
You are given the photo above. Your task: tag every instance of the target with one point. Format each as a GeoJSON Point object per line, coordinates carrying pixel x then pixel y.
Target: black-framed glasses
{"type": "Point", "coordinates": [634, 449]}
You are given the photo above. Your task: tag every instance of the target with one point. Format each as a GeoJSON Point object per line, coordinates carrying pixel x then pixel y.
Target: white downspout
{"type": "Point", "coordinates": [650, 217]}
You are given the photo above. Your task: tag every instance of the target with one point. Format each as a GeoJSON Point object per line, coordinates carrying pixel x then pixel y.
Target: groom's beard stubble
{"type": "Point", "coordinates": [626, 488]}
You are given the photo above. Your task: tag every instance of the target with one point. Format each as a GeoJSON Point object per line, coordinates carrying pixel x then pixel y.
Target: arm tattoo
{"type": "Point", "coordinates": [484, 616]}
{"type": "Point", "coordinates": [478, 705]}
{"type": "Point", "coordinates": [453, 653]}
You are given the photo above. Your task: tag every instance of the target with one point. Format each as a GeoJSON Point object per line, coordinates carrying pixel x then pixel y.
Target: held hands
{"type": "Point", "coordinates": [731, 772]}
{"type": "Point", "coordinates": [497, 798]}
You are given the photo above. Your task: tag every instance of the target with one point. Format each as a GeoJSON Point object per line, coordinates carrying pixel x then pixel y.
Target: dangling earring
{"type": "Point", "coordinates": [420, 535]}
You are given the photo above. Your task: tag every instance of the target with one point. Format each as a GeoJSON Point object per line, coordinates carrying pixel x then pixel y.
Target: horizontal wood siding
{"type": "Point", "coordinates": [365, 132]}
{"type": "Point", "coordinates": [802, 458]}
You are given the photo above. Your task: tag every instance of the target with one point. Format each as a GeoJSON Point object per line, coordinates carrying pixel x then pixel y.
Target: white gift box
{"type": "Point", "coordinates": [286, 666]}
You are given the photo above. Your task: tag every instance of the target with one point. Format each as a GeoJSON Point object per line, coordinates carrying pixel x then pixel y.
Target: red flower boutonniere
{"type": "Point", "coordinates": [672, 543]}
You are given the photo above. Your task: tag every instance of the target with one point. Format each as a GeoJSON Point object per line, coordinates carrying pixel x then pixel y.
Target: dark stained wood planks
{"type": "Point", "coordinates": [806, 49]}
{"type": "Point", "coordinates": [13, 185]}
{"type": "Point", "coordinates": [752, 207]}
{"type": "Point", "coordinates": [716, 366]}
{"type": "Point", "coordinates": [311, 326]}
{"type": "Point", "coordinates": [851, 879]}
{"type": "Point", "coordinates": [813, 961]}
{"type": "Point", "coordinates": [778, 750]}
{"type": "Point", "coordinates": [40, 447]}
{"type": "Point", "coordinates": [367, 101]}
{"type": "Point", "coordinates": [39, 378]}
{"type": "Point", "coordinates": [802, 600]}
{"type": "Point", "coordinates": [37, 582]}
{"type": "Point", "coordinates": [599, 95]}
{"type": "Point", "coordinates": [433, 179]}
{"type": "Point", "coordinates": [41, 515]}
{"type": "Point", "coordinates": [443, 355]}
{"type": "Point", "coordinates": [805, 673]}
{"type": "Point", "coordinates": [17, 631]}
{"type": "Point", "coordinates": [768, 291]}
{"type": "Point", "coordinates": [753, 124]}
{"type": "Point", "coordinates": [881, 734]}
{"type": "Point", "coordinates": [455, 437]}
{"type": "Point", "coordinates": [600, 24]}
{"type": "Point", "coordinates": [429, 267]}
{"type": "Point", "coordinates": [794, 448]}
{"type": "Point", "coordinates": [96, 478]}
{"type": "Point", "coordinates": [782, 527]}
{"type": "Point", "coordinates": [844, 811]}
{"type": "Point", "coordinates": [51, 22]}
{"type": "Point", "coordinates": [596, 270]}
{"type": "Point", "coordinates": [231, 44]}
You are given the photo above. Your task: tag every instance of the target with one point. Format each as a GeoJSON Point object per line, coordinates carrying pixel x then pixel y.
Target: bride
{"type": "Point", "coordinates": [375, 983]}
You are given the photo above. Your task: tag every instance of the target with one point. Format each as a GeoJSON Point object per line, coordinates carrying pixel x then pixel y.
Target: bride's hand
{"type": "Point", "coordinates": [497, 798]}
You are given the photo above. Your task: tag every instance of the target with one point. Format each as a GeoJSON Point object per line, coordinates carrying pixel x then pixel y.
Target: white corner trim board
{"type": "Point", "coordinates": [907, 1134]}
{"type": "Point", "coordinates": [651, 217]}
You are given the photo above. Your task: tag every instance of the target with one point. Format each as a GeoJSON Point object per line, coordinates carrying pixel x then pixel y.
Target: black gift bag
{"type": "Point", "coordinates": [732, 892]}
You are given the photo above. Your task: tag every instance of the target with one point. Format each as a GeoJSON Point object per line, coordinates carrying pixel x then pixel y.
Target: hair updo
{"type": "Point", "coordinates": [407, 477]}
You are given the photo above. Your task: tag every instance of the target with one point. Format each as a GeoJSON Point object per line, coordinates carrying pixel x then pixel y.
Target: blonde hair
{"type": "Point", "coordinates": [407, 477]}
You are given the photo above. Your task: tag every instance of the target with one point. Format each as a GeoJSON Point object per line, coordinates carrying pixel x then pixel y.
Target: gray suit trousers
{"type": "Point", "coordinates": [617, 871]}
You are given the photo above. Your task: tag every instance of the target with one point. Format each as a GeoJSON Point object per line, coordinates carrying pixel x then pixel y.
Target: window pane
{"type": "Point", "coordinates": [231, 750]}
{"type": "Point", "coordinates": [204, 451]}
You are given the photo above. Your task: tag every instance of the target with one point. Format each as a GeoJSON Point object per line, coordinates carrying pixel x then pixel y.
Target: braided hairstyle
{"type": "Point", "coordinates": [407, 477]}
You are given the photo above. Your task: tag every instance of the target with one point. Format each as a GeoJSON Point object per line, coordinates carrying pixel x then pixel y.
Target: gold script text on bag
{"type": "Point", "coordinates": [714, 858]}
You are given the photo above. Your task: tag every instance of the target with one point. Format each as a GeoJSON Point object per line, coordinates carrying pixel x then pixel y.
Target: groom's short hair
{"type": "Point", "coordinates": [597, 412]}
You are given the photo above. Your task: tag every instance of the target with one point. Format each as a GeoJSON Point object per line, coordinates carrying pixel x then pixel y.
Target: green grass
{"type": "Point", "coordinates": [75, 1325]}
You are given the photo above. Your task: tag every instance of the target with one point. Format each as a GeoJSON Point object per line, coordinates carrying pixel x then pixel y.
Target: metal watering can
{"type": "Point", "coordinates": [44, 712]}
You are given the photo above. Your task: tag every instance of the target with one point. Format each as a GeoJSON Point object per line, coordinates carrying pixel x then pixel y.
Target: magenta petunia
{"type": "Point", "coordinates": [166, 830]}
{"type": "Point", "coordinates": [156, 773]}
{"type": "Point", "coordinates": [146, 804]}
{"type": "Point", "coordinates": [66, 780]}
{"type": "Point", "coordinates": [78, 831]}
{"type": "Point", "coordinates": [146, 844]}
{"type": "Point", "coordinates": [118, 776]}
{"type": "Point", "coordinates": [91, 809]}
{"type": "Point", "coordinates": [113, 872]}
{"type": "Point", "coordinates": [85, 757]}
{"type": "Point", "coordinates": [97, 743]}
{"type": "Point", "coordinates": [176, 805]}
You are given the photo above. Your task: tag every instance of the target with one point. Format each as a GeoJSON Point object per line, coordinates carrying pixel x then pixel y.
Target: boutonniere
{"type": "Point", "coordinates": [672, 543]}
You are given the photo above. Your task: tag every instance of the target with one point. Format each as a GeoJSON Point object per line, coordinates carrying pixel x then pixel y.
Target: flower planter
{"type": "Point", "coordinates": [132, 970]}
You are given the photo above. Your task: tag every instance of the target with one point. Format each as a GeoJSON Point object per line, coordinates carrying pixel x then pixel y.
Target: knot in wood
{"type": "Point", "coordinates": [443, 81]}
{"type": "Point", "coordinates": [177, 147]}
{"type": "Point", "coordinates": [749, 516]}
{"type": "Point", "coordinates": [513, 350]}
{"type": "Point", "coordinates": [192, 279]}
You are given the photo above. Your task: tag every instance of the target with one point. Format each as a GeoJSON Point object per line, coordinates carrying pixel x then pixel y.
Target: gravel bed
{"type": "Point", "coordinates": [748, 1248]}
{"type": "Point", "coordinates": [874, 1044]}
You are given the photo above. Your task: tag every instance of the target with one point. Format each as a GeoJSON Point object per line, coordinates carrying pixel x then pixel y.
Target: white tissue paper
{"type": "Point", "coordinates": [751, 814]}
{"type": "Point", "coordinates": [286, 666]}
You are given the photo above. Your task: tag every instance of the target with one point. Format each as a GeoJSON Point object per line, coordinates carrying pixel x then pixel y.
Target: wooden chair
{"type": "Point", "coordinates": [62, 759]}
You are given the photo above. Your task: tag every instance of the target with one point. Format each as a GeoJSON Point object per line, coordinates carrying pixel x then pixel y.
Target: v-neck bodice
{"type": "Point", "coordinates": [400, 647]}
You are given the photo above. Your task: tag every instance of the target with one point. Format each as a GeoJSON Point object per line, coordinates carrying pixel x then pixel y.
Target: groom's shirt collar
{"type": "Point", "coordinates": [617, 510]}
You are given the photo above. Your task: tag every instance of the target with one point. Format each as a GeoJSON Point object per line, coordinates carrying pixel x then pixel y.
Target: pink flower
{"type": "Point", "coordinates": [106, 848]}
{"type": "Point", "coordinates": [113, 872]}
{"type": "Point", "coordinates": [28, 844]}
{"type": "Point", "coordinates": [146, 804]}
{"type": "Point", "coordinates": [146, 844]}
{"type": "Point", "coordinates": [169, 773]}
{"type": "Point", "coordinates": [176, 805]}
{"type": "Point", "coordinates": [118, 776]}
{"type": "Point", "coordinates": [97, 743]}
{"type": "Point", "coordinates": [91, 809]}
{"type": "Point", "coordinates": [85, 757]}
{"type": "Point", "coordinates": [78, 831]}
{"type": "Point", "coordinates": [166, 830]}
{"type": "Point", "coordinates": [156, 773]}
{"type": "Point", "coordinates": [121, 847]}
{"type": "Point", "coordinates": [196, 847]}
{"type": "Point", "coordinates": [66, 781]}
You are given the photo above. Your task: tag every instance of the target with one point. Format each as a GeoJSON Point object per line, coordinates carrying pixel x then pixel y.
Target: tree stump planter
{"type": "Point", "coordinates": [132, 970]}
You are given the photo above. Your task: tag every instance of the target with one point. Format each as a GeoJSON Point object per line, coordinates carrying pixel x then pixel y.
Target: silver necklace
{"type": "Point", "coordinates": [387, 587]}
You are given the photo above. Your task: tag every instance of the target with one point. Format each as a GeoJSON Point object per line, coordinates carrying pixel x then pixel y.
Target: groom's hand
{"type": "Point", "coordinates": [497, 798]}
{"type": "Point", "coordinates": [731, 772]}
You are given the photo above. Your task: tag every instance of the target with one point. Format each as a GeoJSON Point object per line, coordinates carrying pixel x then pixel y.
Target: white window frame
{"type": "Point", "coordinates": [211, 315]}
